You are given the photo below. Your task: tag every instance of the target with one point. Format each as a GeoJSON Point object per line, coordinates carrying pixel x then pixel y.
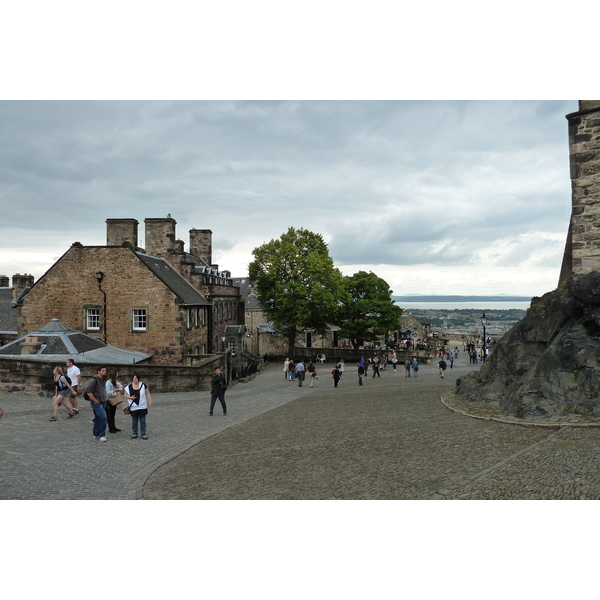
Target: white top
{"type": "Point", "coordinates": [73, 372]}
{"type": "Point", "coordinates": [143, 401]}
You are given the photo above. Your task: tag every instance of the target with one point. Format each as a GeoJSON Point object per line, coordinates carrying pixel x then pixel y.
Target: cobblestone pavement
{"type": "Point", "coordinates": [389, 439]}
{"type": "Point", "coordinates": [60, 460]}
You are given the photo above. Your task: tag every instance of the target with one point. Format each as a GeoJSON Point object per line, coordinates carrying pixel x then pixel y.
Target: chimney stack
{"type": "Point", "coordinates": [19, 283]}
{"type": "Point", "coordinates": [160, 235]}
{"type": "Point", "coordinates": [120, 232]}
{"type": "Point", "coordinates": [201, 244]}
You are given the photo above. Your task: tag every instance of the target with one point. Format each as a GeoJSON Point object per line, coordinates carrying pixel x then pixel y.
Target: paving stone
{"type": "Point", "coordinates": [392, 438]}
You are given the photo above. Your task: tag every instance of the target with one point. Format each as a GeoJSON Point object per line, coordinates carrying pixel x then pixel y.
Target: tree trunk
{"type": "Point", "coordinates": [291, 341]}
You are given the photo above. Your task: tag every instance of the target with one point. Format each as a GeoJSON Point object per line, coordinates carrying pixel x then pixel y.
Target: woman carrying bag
{"type": "Point", "coordinates": [114, 391]}
{"type": "Point", "coordinates": [139, 399]}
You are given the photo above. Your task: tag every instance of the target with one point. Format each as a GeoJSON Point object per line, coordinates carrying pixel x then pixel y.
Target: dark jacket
{"type": "Point", "coordinates": [218, 384]}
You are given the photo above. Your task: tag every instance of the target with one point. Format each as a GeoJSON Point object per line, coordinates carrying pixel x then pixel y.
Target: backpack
{"type": "Point", "coordinates": [60, 384]}
{"type": "Point", "coordinates": [90, 388]}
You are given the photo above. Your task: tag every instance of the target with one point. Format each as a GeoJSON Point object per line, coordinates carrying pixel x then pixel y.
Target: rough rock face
{"type": "Point", "coordinates": [548, 364]}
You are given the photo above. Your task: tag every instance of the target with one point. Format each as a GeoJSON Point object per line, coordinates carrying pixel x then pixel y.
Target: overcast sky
{"type": "Point", "coordinates": [446, 197]}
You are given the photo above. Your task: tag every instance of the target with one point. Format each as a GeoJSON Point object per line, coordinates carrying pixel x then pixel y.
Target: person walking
{"type": "Point", "coordinates": [336, 376]}
{"type": "Point", "coordinates": [114, 390]}
{"type": "Point", "coordinates": [415, 366]}
{"type": "Point", "coordinates": [286, 368]}
{"type": "Point", "coordinates": [312, 373]}
{"type": "Point", "coordinates": [292, 369]}
{"type": "Point", "coordinates": [96, 394]}
{"type": "Point", "coordinates": [361, 370]}
{"type": "Point", "coordinates": [442, 367]}
{"type": "Point", "coordinates": [451, 359]}
{"type": "Point", "coordinates": [376, 367]}
{"type": "Point", "coordinates": [74, 374]}
{"type": "Point", "coordinates": [407, 367]}
{"type": "Point", "coordinates": [217, 390]}
{"type": "Point", "coordinates": [341, 367]}
{"type": "Point", "coordinates": [62, 388]}
{"type": "Point", "coordinates": [140, 400]}
{"type": "Point", "coordinates": [300, 372]}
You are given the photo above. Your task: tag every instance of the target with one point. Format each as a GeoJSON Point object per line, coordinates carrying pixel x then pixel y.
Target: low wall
{"type": "Point", "coordinates": [35, 377]}
{"type": "Point", "coordinates": [349, 355]}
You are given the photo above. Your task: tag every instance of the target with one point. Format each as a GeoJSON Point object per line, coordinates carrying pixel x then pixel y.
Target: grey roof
{"type": "Point", "coordinates": [247, 292]}
{"type": "Point", "coordinates": [234, 330]}
{"type": "Point", "coordinates": [200, 266]}
{"type": "Point", "coordinates": [58, 342]}
{"type": "Point", "coordinates": [174, 281]}
{"type": "Point", "coordinates": [8, 315]}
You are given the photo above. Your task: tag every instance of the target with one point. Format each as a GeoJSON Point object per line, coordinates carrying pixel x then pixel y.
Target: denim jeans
{"type": "Point", "coordinates": [138, 418]}
{"type": "Point", "coordinates": [213, 400]}
{"type": "Point", "coordinates": [99, 419]}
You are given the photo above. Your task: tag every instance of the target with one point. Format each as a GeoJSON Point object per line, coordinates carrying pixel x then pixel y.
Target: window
{"type": "Point", "coordinates": [93, 319]}
{"type": "Point", "coordinates": [139, 319]}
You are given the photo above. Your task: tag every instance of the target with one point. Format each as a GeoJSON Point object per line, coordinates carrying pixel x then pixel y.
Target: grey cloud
{"type": "Point", "coordinates": [398, 182]}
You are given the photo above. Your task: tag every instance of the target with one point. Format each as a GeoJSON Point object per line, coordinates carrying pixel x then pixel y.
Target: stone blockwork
{"type": "Point", "coordinates": [582, 254]}
{"type": "Point", "coordinates": [35, 377]}
{"type": "Point", "coordinates": [71, 287]}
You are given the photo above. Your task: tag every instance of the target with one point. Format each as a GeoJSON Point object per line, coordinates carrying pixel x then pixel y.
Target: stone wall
{"type": "Point", "coordinates": [35, 377]}
{"type": "Point", "coordinates": [582, 254]}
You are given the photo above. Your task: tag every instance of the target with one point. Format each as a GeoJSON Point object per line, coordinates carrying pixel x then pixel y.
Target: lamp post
{"type": "Point", "coordinates": [484, 323]}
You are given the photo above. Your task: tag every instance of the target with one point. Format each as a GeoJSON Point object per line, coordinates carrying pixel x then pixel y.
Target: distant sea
{"type": "Point", "coordinates": [453, 305]}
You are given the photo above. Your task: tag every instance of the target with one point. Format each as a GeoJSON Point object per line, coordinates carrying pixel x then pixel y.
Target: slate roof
{"type": "Point", "coordinates": [8, 315]}
{"type": "Point", "coordinates": [247, 293]}
{"type": "Point", "coordinates": [186, 294]}
{"type": "Point", "coordinates": [58, 343]}
{"type": "Point", "coordinates": [201, 267]}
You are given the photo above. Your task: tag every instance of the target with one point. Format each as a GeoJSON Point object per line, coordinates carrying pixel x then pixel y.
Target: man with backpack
{"type": "Point", "coordinates": [96, 395]}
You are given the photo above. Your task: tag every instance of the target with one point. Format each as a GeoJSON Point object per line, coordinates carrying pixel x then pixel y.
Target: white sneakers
{"type": "Point", "coordinates": [103, 439]}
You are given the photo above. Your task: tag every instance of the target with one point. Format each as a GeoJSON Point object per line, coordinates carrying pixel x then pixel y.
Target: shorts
{"type": "Point", "coordinates": [63, 393]}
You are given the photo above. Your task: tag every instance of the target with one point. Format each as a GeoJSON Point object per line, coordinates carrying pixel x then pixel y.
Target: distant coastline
{"type": "Point", "coordinates": [461, 299]}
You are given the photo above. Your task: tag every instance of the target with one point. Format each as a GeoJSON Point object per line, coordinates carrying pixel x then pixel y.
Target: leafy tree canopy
{"type": "Point", "coordinates": [297, 283]}
{"type": "Point", "coordinates": [368, 311]}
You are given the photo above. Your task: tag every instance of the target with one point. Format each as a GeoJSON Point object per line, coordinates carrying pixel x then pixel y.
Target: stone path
{"type": "Point", "coordinates": [390, 439]}
{"type": "Point", "coordinates": [60, 460]}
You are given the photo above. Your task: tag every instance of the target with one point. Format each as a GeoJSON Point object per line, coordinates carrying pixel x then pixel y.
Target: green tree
{"type": "Point", "coordinates": [368, 311]}
{"type": "Point", "coordinates": [296, 283]}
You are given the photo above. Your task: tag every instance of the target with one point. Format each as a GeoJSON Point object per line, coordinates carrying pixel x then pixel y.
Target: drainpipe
{"type": "Point", "coordinates": [99, 278]}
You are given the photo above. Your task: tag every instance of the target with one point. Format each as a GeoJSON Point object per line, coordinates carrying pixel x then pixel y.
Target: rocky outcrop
{"type": "Point", "coordinates": [548, 364]}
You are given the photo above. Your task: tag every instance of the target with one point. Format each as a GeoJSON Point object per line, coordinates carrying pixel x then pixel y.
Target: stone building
{"type": "Point", "coordinates": [582, 251]}
{"type": "Point", "coordinates": [160, 300]}
{"type": "Point", "coordinates": [8, 299]}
